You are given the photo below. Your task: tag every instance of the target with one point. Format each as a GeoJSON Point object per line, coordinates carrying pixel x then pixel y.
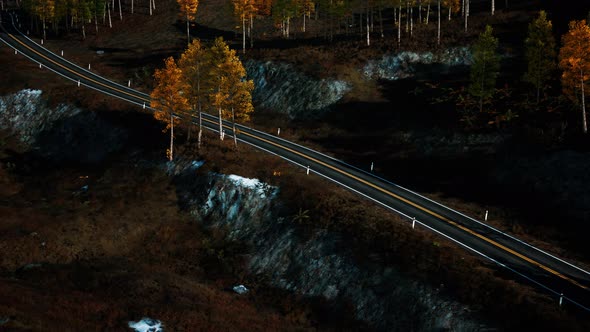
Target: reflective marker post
{"type": "Point", "coordinates": [561, 299]}
{"type": "Point", "coordinates": [307, 170]}
{"type": "Point", "coordinates": [486, 217]}
{"type": "Point", "coordinates": [413, 222]}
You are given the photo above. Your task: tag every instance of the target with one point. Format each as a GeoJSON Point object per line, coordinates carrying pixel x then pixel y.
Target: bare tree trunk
{"type": "Point", "coordinates": [428, 13]}
{"type": "Point", "coordinates": [411, 21]}
{"type": "Point", "coordinates": [381, 21]}
{"type": "Point", "coordinates": [493, 7]}
{"type": "Point", "coordinates": [303, 21]}
{"type": "Point", "coordinates": [368, 32]}
{"type": "Point", "coordinates": [96, 23]}
{"type": "Point", "coordinates": [44, 32]}
{"type": "Point", "coordinates": [466, 13]}
{"type": "Point", "coordinates": [450, 11]}
{"type": "Point", "coordinates": [420, 11]}
{"type": "Point", "coordinates": [399, 26]}
{"type": "Point", "coordinates": [120, 12]}
{"type": "Point", "coordinates": [188, 29]}
{"type": "Point", "coordinates": [583, 102]}
{"type": "Point", "coordinates": [233, 116]}
{"type": "Point", "coordinates": [154, 4]}
{"type": "Point", "coordinates": [220, 125]}
{"type": "Point", "coordinates": [438, 29]}
{"type": "Point", "coordinates": [171, 155]}
{"type": "Point", "coordinates": [244, 34]}
{"type": "Point", "coordinates": [110, 21]}
{"type": "Point", "coordinates": [132, 6]}
{"type": "Point", "coordinates": [83, 32]}
{"type": "Point", "coordinates": [251, 31]}
{"type": "Point", "coordinates": [407, 16]}
{"type": "Point", "coordinates": [150, 5]}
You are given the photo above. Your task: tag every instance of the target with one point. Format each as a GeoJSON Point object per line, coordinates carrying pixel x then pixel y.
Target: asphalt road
{"type": "Point", "coordinates": [558, 278]}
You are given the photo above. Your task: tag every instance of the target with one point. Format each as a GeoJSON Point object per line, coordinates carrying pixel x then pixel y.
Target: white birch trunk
{"type": "Point", "coordinates": [411, 21]}
{"type": "Point", "coordinates": [583, 102]}
{"type": "Point", "coordinates": [466, 13]}
{"type": "Point", "coordinates": [428, 13]}
{"type": "Point", "coordinates": [399, 26]}
{"type": "Point", "coordinates": [110, 21]}
{"type": "Point", "coordinates": [220, 125]}
{"type": "Point", "coordinates": [368, 33]}
{"type": "Point", "coordinates": [244, 34]}
{"type": "Point", "coordinates": [303, 22]}
{"type": "Point", "coordinates": [120, 12]}
{"type": "Point", "coordinates": [234, 127]}
{"type": "Point", "coordinates": [132, 6]}
{"type": "Point", "coordinates": [171, 156]}
{"type": "Point", "coordinates": [438, 28]}
{"type": "Point", "coordinates": [493, 7]}
{"type": "Point", "coordinates": [188, 29]}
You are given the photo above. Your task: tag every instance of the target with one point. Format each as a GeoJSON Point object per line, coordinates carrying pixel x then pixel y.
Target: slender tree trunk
{"type": "Point", "coordinates": [233, 118]}
{"type": "Point", "coordinates": [120, 12]}
{"type": "Point", "coordinates": [150, 5]}
{"type": "Point", "coordinates": [407, 16]}
{"type": "Point", "coordinates": [411, 21]}
{"type": "Point", "coordinates": [110, 21]}
{"type": "Point", "coordinates": [188, 29]}
{"type": "Point", "coordinates": [303, 21]}
{"type": "Point", "coordinates": [44, 32]}
{"type": "Point", "coordinates": [420, 11]}
{"type": "Point", "coordinates": [483, 75]}
{"type": "Point", "coordinates": [493, 7]}
{"type": "Point", "coordinates": [466, 13]}
{"type": "Point", "coordinates": [368, 31]}
{"type": "Point", "coordinates": [199, 138]}
{"type": "Point", "coordinates": [83, 32]}
{"type": "Point", "coordinates": [583, 102]}
{"type": "Point", "coordinates": [399, 26]}
{"type": "Point", "coordinates": [132, 6]}
{"type": "Point", "coordinates": [220, 125]}
{"type": "Point", "coordinates": [251, 31]}
{"type": "Point", "coordinates": [438, 28]}
{"type": "Point", "coordinates": [428, 13]}
{"type": "Point", "coordinates": [450, 11]}
{"type": "Point", "coordinates": [381, 21]}
{"type": "Point", "coordinates": [244, 34]}
{"type": "Point", "coordinates": [96, 23]}
{"type": "Point", "coordinates": [171, 156]}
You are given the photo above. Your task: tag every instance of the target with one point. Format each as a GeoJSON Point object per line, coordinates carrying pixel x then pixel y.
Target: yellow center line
{"type": "Point", "coordinates": [72, 71]}
{"type": "Point", "coordinates": [387, 192]}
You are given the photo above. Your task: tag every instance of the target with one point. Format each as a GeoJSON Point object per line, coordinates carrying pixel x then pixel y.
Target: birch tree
{"type": "Point", "coordinates": [575, 64]}
{"type": "Point", "coordinates": [168, 98]}
{"type": "Point", "coordinates": [230, 92]}
{"type": "Point", "coordinates": [188, 9]}
{"type": "Point", "coordinates": [194, 64]}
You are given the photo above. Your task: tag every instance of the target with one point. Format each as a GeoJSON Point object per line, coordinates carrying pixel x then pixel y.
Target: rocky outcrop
{"type": "Point", "coordinates": [62, 133]}
{"type": "Point", "coordinates": [280, 87]}
{"type": "Point", "coordinates": [405, 64]}
{"type": "Point", "coordinates": [319, 264]}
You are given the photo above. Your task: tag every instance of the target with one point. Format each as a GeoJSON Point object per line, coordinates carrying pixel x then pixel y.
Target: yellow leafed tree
{"type": "Point", "coordinates": [169, 97]}
{"type": "Point", "coordinates": [230, 93]}
{"type": "Point", "coordinates": [188, 9]}
{"type": "Point", "coordinates": [574, 60]}
{"type": "Point", "coordinates": [194, 63]}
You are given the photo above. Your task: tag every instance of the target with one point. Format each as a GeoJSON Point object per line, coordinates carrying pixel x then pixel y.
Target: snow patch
{"type": "Point", "coordinates": [147, 325]}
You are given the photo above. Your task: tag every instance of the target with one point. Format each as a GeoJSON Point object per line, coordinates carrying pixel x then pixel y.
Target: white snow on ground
{"type": "Point", "coordinates": [244, 182]}
{"type": "Point", "coordinates": [147, 325]}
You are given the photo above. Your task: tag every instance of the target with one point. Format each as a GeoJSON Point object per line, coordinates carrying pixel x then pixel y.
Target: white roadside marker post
{"type": "Point", "coordinates": [41, 41]}
{"type": "Point", "coordinates": [561, 299]}
{"type": "Point", "coordinates": [307, 170]}
{"type": "Point", "coordinates": [129, 84]}
{"type": "Point", "coordinates": [279, 131]}
{"type": "Point", "coordinates": [78, 83]}
{"type": "Point", "coordinates": [413, 222]}
{"type": "Point", "coordinates": [371, 166]}
{"type": "Point", "coordinates": [62, 52]}
{"type": "Point", "coordinates": [88, 66]}
{"type": "Point", "coordinates": [486, 217]}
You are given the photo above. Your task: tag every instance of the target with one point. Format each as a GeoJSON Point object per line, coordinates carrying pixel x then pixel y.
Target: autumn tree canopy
{"type": "Point", "coordinates": [574, 61]}
{"type": "Point", "coordinates": [169, 97]}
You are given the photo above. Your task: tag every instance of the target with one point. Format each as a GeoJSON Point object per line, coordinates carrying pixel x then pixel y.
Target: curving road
{"type": "Point", "coordinates": [564, 281]}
